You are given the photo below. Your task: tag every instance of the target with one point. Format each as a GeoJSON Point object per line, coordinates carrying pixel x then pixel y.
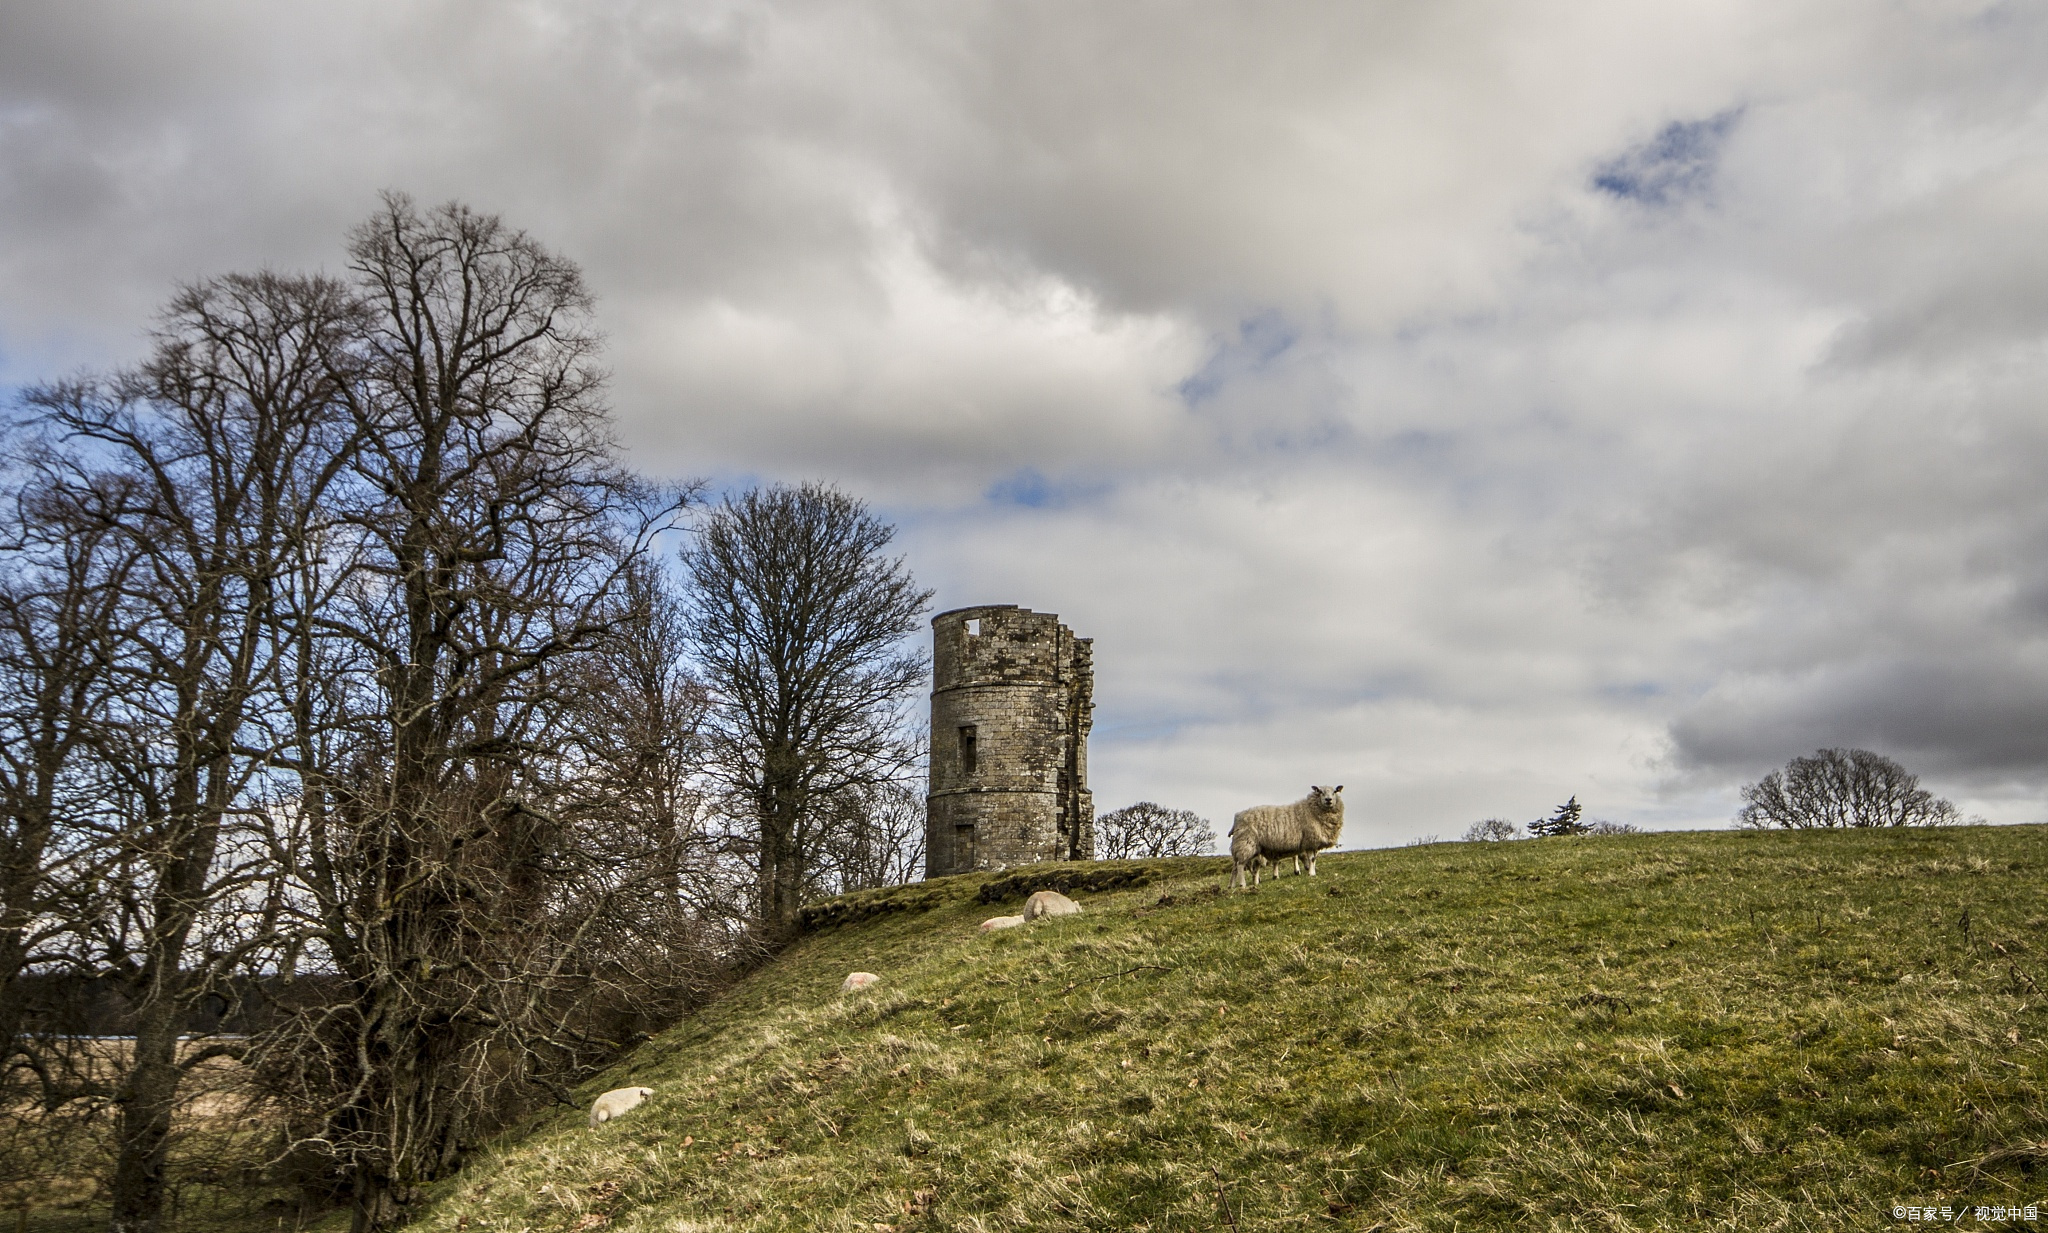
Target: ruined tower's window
{"type": "Point", "coordinates": [967, 750]}
{"type": "Point", "coordinates": [974, 627]}
{"type": "Point", "coordinates": [963, 846]}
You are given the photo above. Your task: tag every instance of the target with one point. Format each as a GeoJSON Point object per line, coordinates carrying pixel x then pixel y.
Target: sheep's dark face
{"type": "Point", "coordinates": [1327, 799]}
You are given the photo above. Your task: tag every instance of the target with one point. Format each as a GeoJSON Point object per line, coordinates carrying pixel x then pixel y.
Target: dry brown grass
{"type": "Point", "coordinates": [54, 1162]}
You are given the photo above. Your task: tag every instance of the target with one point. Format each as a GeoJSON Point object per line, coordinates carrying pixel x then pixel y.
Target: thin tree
{"type": "Point", "coordinates": [798, 620]}
{"type": "Point", "coordinates": [627, 779]}
{"type": "Point", "coordinates": [873, 836]}
{"type": "Point", "coordinates": [58, 599]}
{"type": "Point", "coordinates": [1842, 788]}
{"type": "Point", "coordinates": [1147, 829]}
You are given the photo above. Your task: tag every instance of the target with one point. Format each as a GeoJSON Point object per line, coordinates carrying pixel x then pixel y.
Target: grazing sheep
{"type": "Point", "coordinates": [1267, 832]}
{"type": "Point", "coordinates": [616, 1103]}
{"type": "Point", "coordinates": [1049, 903]}
{"type": "Point", "coordinates": [1001, 922]}
{"type": "Point", "coordinates": [857, 980]}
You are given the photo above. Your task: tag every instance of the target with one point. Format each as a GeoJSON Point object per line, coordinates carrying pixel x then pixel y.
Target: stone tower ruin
{"type": "Point", "coordinates": [1012, 695]}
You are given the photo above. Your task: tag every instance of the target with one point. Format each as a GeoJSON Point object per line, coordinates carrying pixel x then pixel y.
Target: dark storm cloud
{"type": "Point", "coordinates": [1976, 721]}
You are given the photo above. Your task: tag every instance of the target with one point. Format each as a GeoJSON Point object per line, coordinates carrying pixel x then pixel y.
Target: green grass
{"type": "Point", "coordinates": [1697, 1031]}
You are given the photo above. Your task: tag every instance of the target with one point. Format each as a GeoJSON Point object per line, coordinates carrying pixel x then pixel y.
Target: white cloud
{"type": "Point", "coordinates": [1297, 353]}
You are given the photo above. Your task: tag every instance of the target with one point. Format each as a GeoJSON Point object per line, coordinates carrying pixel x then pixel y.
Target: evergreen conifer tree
{"type": "Point", "coordinates": [1564, 822]}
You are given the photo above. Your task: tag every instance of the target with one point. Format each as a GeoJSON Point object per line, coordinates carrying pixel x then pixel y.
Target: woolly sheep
{"type": "Point", "coordinates": [616, 1103]}
{"type": "Point", "coordinates": [1001, 922]}
{"type": "Point", "coordinates": [857, 980]}
{"type": "Point", "coordinates": [1303, 828]}
{"type": "Point", "coordinates": [1049, 903]}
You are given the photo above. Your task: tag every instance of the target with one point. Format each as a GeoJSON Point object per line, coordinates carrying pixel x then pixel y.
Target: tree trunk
{"type": "Point", "coordinates": [147, 1099]}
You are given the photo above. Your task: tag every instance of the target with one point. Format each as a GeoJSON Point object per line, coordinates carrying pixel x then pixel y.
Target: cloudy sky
{"type": "Point", "coordinates": [1472, 403]}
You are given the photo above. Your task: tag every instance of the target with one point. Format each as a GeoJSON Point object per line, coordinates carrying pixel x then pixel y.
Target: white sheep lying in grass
{"type": "Point", "coordinates": [856, 981]}
{"type": "Point", "coordinates": [1001, 922]}
{"type": "Point", "coordinates": [616, 1103]}
{"type": "Point", "coordinates": [1049, 903]}
{"type": "Point", "coordinates": [1269, 832]}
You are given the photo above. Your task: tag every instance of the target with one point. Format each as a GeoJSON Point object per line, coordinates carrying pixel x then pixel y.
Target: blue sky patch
{"type": "Point", "coordinates": [1677, 163]}
{"type": "Point", "coordinates": [1028, 487]}
{"type": "Point", "coordinates": [1260, 340]}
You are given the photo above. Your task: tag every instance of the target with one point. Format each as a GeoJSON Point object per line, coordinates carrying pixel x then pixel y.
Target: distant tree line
{"type": "Point", "coordinates": [1833, 788]}
{"type": "Point", "coordinates": [337, 661]}
{"type": "Point", "coordinates": [1567, 819]}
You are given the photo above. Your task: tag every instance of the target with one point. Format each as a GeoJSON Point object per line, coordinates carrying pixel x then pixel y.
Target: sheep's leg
{"type": "Point", "coordinates": [1311, 862]}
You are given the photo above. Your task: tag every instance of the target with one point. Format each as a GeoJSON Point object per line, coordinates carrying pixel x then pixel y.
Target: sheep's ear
{"type": "Point", "coordinates": [1339, 788]}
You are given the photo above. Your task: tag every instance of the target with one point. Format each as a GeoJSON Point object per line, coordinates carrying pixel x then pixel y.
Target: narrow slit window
{"type": "Point", "coordinates": [967, 750]}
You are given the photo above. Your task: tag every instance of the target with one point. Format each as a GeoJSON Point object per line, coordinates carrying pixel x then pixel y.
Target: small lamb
{"type": "Point", "coordinates": [856, 981]}
{"type": "Point", "coordinates": [1269, 832]}
{"type": "Point", "coordinates": [1001, 922]}
{"type": "Point", "coordinates": [616, 1103]}
{"type": "Point", "coordinates": [1049, 903]}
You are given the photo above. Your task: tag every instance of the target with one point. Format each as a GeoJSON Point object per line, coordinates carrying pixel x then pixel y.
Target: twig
{"type": "Point", "coordinates": [1156, 967]}
{"type": "Point", "coordinates": [1223, 1200]}
{"type": "Point", "coordinates": [2022, 1152]}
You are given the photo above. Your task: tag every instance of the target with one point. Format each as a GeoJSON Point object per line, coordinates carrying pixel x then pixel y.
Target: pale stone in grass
{"type": "Point", "coordinates": [857, 980]}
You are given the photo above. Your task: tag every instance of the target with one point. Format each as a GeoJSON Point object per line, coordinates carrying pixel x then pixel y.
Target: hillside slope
{"type": "Point", "coordinates": [1703, 1030]}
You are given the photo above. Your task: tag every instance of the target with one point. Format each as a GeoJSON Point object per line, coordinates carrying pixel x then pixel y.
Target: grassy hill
{"type": "Point", "coordinates": [1704, 1030]}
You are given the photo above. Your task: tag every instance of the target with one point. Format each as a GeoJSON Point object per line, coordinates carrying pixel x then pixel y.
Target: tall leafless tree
{"type": "Point", "coordinates": [335, 654]}
{"type": "Point", "coordinates": [490, 534]}
{"type": "Point", "coordinates": [207, 464]}
{"type": "Point", "coordinates": [58, 599]}
{"type": "Point", "coordinates": [1842, 788]}
{"type": "Point", "coordinates": [798, 620]}
{"type": "Point", "coordinates": [628, 777]}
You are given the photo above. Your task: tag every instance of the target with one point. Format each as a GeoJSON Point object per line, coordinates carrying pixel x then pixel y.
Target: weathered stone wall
{"type": "Point", "coordinates": [1012, 701]}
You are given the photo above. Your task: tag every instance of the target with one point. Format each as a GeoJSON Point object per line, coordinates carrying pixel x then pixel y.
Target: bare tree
{"type": "Point", "coordinates": [873, 835]}
{"type": "Point", "coordinates": [797, 619]}
{"type": "Point", "coordinates": [1492, 830]}
{"type": "Point", "coordinates": [57, 600]}
{"type": "Point", "coordinates": [335, 653]}
{"type": "Point", "coordinates": [1151, 830]}
{"type": "Point", "coordinates": [1602, 826]}
{"type": "Point", "coordinates": [206, 464]}
{"type": "Point", "coordinates": [490, 535]}
{"type": "Point", "coordinates": [1842, 788]}
{"type": "Point", "coordinates": [628, 776]}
